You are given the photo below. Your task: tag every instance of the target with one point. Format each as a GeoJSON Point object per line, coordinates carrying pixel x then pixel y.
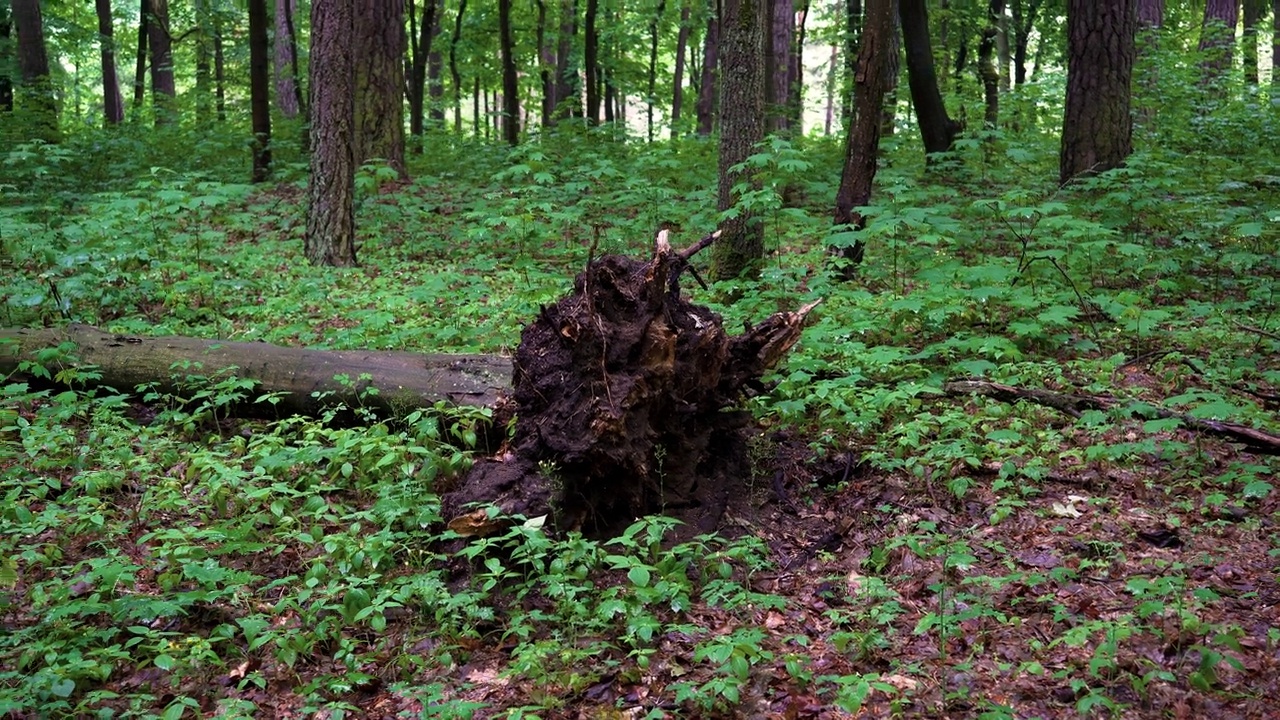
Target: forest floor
{"type": "Point", "coordinates": [895, 551]}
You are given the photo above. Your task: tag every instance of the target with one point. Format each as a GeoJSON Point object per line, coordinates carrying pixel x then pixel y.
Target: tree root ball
{"type": "Point", "coordinates": [626, 397]}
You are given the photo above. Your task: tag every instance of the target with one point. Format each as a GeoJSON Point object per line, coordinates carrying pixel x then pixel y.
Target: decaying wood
{"type": "Point", "coordinates": [625, 396]}
{"type": "Point", "coordinates": [308, 381]}
{"type": "Point", "coordinates": [1256, 440]}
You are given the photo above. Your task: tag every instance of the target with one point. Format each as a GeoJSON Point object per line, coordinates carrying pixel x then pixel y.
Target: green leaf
{"type": "Point", "coordinates": [1255, 490]}
{"type": "Point", "coordinates": [63, 688]}
{"type": "Point", "coordinates": [639, 576]}
{"type": "Point", "coordinates": [165, 662]}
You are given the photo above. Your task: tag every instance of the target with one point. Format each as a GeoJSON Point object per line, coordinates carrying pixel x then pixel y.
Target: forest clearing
{"type": "Point", "coordinates": [938, 378]}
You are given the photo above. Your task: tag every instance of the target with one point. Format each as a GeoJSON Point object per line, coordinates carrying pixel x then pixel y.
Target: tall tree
{"type": "Point", "coordinates": [677, 93]}
{"type": "Point", "coordinates": [708, 88]}
{"type": "Point", "coordinates": [288, 87]}
{"type": "Point", "coordinates": [260, 89]}
{"type": "Point", "coordinates": [862, 144]}
{"type": "Point", "coordinates": [454, 74]}
{"type": "Point", "coordinates": [419, 50]}
{"type": "Point", "coordinates": [655, 25]}
{"type": "Point", "coordinates": [1024, 18]}
{"type": "Point", "coordinates": [164, 90]}
{"type": "Point", "coordinates": [1253, 12]}
{"type": "Point", "coordinates": [1097, 128]}
{"type": "Point", "coordinates": [987, 71]}
{"type": "Point", "coordinates": [741, 244]}
{"type": "Point", "coordinates": [780, 19]}
{"type": "Point", "coordinates": [1150, 18]}
{"type": "Point", "coordinates": [852, 31]}
{"type": "Point", "coordinates": [204, 61]}
{"type": "Point", "coordinates": [937, 129]}
{"type": "Point", "coordinates": [510, 83]}
{"type": "Point", "coordinates": [330, 238]}
{"type": "Point", "coordinates": [33, 66]}
{"type": "Point", "coordinates": [568, 103]}
{"type": "Point", "coordinates": [6, 81]}
{"type": "Point", "coordinates": [435, 67]}
{"type": "Point", "coordinates": [140, 60]}
{"type": "Point", "coordinates": [1218, 39]}
{"type": "Point", "coordinates": [379, 47]}
{"type": "Point", "coordinates": [1275, 43]}
{"type": "Point", "coordinates": [795, 72]}
{"type": "Point", "coordinates": [892, 68]}
{"type": "Point", "coordinates": [591, 60]}
{"type": "Point", "coordinates": [112, 102]}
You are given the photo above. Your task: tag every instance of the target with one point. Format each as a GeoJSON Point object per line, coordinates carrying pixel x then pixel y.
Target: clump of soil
{"type": "Point", "coordinates": [626, 396]}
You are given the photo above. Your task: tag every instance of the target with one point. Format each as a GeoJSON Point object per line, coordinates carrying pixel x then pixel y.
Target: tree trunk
{"type": "Point", "coordinates": [510, 86]}
{"type": "Point", "coordinates": [219, 72]}
{"type": "Point", "coordinates": [862, 143]}
{"type": "Point", "coordinates": [937, 129]}
{"type": "Point", "coordinates": [677, 93]}
{"type": "Point", "coordinates": [303, 379]}
{"type": "Point", "coordinates": [1217, 42]}
{"type": "Point", "coordinates": [1150, 18]}
{"type": "Point", "coordinates": [546, 67]}
{"type": "Point", "coordinates": [987, 72]}
{"type": "Point", "coordinates": [6, 81]}
{"type": "Point", "coordinates": [591, 61]}
{"type": "Point", "coordinates": [779, 19]}
{"type": "Point", "coordinates": [741, 245]}
{"type": "Point", "coordinates": [1023, 22]}
{"type": "Point", "coordinates": [33, 65]}
{"type": "Point", "coordinates": [260, 89]}
{"type": "Point", "coordinates": [852, 32]}
{"type": "Point", "coordinates": [164, 91]}
{"type": "Point", "coordinates": [330, 238]}
{"type": "Point", "coordinates": [568, 102]}
{"type": "Point", "coordinates": [112, 102]}
{"type": "Point", "coordinates": [379, 47]}
{"type": "Point", "coordinates": [417, 88]}
{"type": "Point", "coordinates": [655, 23]}
{"type": "Point", "coordinates": [892, 69]}
{"type": "Point", "coordinates": [795, 73]}
{"type": "Point", "coordinates": [1253, 12]}
{"type": "Point", "coordinates": [1002, 48]}
{"type": "Point", "coordinates": [454, 75]}
{"type": "Point", "coordinates": [140, 60]}
{"type": "Point", "coordinates": [288, 87]}
{"type": "Point", "coordinates": [435, 68]}
{"type": "Point", "coordinates": [1097, 128]}
{"type": "Point", "coordinates": [709, 85]}
{"type": "Point", "coordinates": [833, 78]}
{"type": "Point", "coordinates": [1275, 43]}
{"type": "Point", "coordinates": [204, 63]}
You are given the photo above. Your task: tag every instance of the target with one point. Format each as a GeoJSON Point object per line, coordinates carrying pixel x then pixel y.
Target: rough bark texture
{"type": "Point", "coordinates": [260, 89]}
{"type": "Point", "coordinates": [510, 82]}
{"type": "Point", "coordinates": [677, 93]}
{"type": "Point", "coordinates": [1218, 39]}
{"type": "Point", "coordinates": [163, 88]}
{"type": "Point", "coordinates": [6, 82]}
{"type": "Point", "coordinates": [624, 395]}
{"type": "Point", "coordinates": [780, 19]}
{"type": "Point", "coordinates": [852, 32]}
{"type": "Point", "coordinates": [1097, 129]}
{"type": "Point", "coordinates": [112, 102]}
{"type": "Point", "coordinates": [330, 238]}
{"type": "Point", "coordinates": [37, 95]}
{"type": "Point", "coordinates": [741, 245]}
{"type": "Point", "coordinates": [405, 381]}
{"type": "Point", "coordinates": [708, 85]}
{"type": "Point", "coordinates": [862, 144]}
{"type": "Point", "coordinates": [937, 129]}
{"type": "Point", "coordinates": [379, 50]}
{"type": "Point", "coordinates": [288, 92]}
{"type": "Point", "coordinates": [892, 68]}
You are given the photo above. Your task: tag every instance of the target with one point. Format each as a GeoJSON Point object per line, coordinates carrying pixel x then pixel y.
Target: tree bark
{"type": "Point", "coordinates": [655, 24]}
{"type": "Point", "coordinates": [1217, 43]}
{"type": "Point", "coordinates": [421, 47]}
{"type": "Point", "coordinates": [6, 81]}
{"type": "Point", "coordinates": [288, 87]}
{"type": "Point", "coordinates": [112, 102]}
{"type": "Point", "coordinates": [204, 63]}
{"type": "Point", "coordinates": [510, 82]}
{"type": "Point", "coordinates": [164, 91]}
{"type": "Point", "coordinates": [454, 75]}
{"type": "Point", "coordinates": [1097, 127]}
{"type": "Point", "coordinates": [140, 60]}
{"type": "Point", "coordinates": [379, 113]}
{"type": "Point", "coordinates": [330, 238]}
{"type": "Point", "coordinates": [591, 61]}
{"type": "Point", "coordinates": [741, 245]}
{"type": "Point", "coordinates": [892, 68]}
{"type": "Point", "coordinates": [987, 71]}
{"type": "Point", "coordinates": [546, 66]}
{"type": "Point", "coordinates": [435, 68]}
{"type": "Point", "coordinates": [260, 89]}
{"type": "Point", "coordinates": [1023, 22]}
{"type": "Point", "coordinates": [862, 144]}
{"type": "Point", "coordinates": [937, 129]}
{"type": "Point", "coordinates": [709, 85]}
{"type": "Point", "coordinates": [568, 102]}
{"type": "Point", "coordinates": [852, 33]}
{"type": "Point", "coordinates": [780, 19]}
{"type": "Point", "coordinates": [1150, 18]}
{"type": "Point", "coordinates": [303, 379]}
{"type": "Point", "coordinates": [677, 92]}
{"type": "Point", "coordinates": [795, 72]}
{"type": "Point", "coordinates": [33, 65]}
{"type": "Point", "coordinates": [219, 72]}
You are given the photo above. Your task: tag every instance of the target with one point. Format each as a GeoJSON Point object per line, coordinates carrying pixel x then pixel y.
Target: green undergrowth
{"type": "Point", "coordinates": [165, 557]}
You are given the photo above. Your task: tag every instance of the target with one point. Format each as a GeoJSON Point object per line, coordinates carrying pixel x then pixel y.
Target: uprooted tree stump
{"type": "Point", "coordinates": [626, 397]}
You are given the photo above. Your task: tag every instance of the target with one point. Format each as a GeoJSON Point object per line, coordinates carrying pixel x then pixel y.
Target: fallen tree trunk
{"type": "Point", "coordinates": [1258, 441]}
{"type": "Point", "coordinates": [307, 381]}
